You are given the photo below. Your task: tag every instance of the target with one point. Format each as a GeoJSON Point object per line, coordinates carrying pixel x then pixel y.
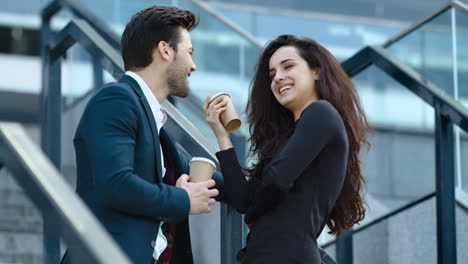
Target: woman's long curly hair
{"type": "Point", "coordinates": [271, 123]}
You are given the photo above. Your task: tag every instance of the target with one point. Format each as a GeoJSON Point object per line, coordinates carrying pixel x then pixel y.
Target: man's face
{"type": "Point", "coordinates": [181, 67]}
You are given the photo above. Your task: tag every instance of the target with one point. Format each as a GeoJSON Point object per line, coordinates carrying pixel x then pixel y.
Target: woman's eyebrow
{"type": "Point", "coordinates": [282, 62]}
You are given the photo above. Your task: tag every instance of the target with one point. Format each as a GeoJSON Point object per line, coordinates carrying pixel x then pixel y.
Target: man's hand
{"type": "Point", "coordinates": [199, 193]}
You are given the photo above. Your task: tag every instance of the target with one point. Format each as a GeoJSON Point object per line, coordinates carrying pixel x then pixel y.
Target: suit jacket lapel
{"type": "Point", "coordinates": [173, 153]}
{"type": "Point", "coordinates": [149, 115]}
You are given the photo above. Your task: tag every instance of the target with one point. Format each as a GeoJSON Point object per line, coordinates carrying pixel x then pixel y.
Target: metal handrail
{"type": "Point", "coordinates": [181, 129]}
{"type": "Point", "coordinates": [448, 111]}
{"type": "Point", "coordinates": [383, 217]}
{"type": "Point", "coordinates": [454, 4]}
{"type": "Point", "coordinates": [224, 20]}
{"type": "Point", "coordinates": [53, 196]}
{"type": "Point", "coordinates": [113, 64]}
{"type": "Point", "coordinates": [82, 13]}
{"type": "Point", "coordinates": [445, 106]}
{"type": "Point", "coordinates": [462, 201]}
{"type": "Point", "coordinates": [450, 108]}
{"type": "Point", "coordinates": [79, 31]}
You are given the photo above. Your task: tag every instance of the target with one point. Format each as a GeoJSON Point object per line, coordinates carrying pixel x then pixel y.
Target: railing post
{"type": "Point", "coordinates": [51, 110]}
{"type": "Point", "coordinates": [445, 190]}
{"type": "Point", "coordinates": [98, 76]}
{"type": "Point", "coordinates": [344, 248]}
{"type": "Point", "coordinates": [231, 221]}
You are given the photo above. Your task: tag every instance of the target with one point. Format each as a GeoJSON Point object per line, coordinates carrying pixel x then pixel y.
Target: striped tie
{"type": "Point", "coordinates": [164, 118]}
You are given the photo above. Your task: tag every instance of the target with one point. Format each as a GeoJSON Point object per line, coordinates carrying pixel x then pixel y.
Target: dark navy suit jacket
{"type": "Point", "coordinates": [119, 173]}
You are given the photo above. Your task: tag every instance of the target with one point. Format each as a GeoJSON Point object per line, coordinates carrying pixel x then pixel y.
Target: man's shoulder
{"type": "Point", "coordinates": [113, 91]}
{"type": "Point", "coordinates": [116, 88]}
{"type": "Point", "coordinates": [115, 100]}
{"type": "Point", "coordinates": [116, 97]}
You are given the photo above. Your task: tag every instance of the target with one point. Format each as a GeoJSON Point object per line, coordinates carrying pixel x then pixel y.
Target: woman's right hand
{"type": "Point", "coordinates": [213, 110]}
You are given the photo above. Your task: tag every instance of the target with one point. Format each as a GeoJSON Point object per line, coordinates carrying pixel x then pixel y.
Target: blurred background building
{"type": "Point", "coordinates": [399, 167]}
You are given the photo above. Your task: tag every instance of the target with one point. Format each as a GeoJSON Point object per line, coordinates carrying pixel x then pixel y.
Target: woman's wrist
{"type": "Point", "coordinates": [224, 142]}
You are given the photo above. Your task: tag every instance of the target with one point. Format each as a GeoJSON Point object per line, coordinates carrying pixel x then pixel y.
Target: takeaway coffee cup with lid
{"type": "Point", "coordinates": [229, 118]}
{"type": "Point", "coordinates": [201, 169]}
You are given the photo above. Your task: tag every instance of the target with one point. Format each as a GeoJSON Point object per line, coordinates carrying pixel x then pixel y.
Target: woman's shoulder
{"type": "Point", "coordinates": [322, 115]}
{"type": "Point", "coordinates": [322, 110]}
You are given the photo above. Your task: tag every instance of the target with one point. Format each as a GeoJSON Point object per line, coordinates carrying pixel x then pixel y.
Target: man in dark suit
{"type": "Point", "coordinates": [129, 171]}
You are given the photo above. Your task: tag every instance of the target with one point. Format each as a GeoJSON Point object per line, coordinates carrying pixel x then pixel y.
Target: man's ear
{"type": "Point", "coordinates": [164, 51]}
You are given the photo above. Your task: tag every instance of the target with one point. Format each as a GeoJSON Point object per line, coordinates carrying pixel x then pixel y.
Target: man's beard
{"type": "Point", "coordinates": [177, 79]}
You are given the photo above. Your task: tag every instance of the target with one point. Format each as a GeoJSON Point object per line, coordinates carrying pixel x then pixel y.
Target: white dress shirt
{"type": "Point", "coordinates": [161, 241]}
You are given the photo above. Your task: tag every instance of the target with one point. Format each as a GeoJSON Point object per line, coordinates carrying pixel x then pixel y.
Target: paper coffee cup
{"type": "Point", "coordinates": [229, 118]}
{"type": "Point", "coordinates": [201, 169]}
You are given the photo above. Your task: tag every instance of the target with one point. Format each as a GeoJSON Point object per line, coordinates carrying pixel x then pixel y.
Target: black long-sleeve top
{"type": "Point", "coordinates": [290, 203]}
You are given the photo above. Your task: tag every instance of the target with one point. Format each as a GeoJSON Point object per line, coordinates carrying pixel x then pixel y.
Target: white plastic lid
{"type": "Point", "coordinates": [203, 159]}
{"type": "Point", "coordinates": [218, 94]}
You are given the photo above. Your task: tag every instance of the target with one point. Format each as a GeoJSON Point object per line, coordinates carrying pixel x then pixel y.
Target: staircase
{"type": "Point", "coordinates": [403, 85]}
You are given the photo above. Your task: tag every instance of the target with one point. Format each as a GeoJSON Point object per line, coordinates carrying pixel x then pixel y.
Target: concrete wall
{"type": "Point", "coordinates": [20, 221]}
{"type": "Point", "coordinates": [408, 238]}
{"type": "Point", "coordinates": [20, 224]}
{"type": "Point", "coordinates": [400, 165]}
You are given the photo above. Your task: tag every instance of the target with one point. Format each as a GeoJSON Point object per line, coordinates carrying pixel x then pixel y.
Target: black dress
{"type": "Point", "coordinates": [290, 202]}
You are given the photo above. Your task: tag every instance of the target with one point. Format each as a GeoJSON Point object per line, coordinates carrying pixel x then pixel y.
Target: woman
{"type": "Point", "coordinates": [306, 125]}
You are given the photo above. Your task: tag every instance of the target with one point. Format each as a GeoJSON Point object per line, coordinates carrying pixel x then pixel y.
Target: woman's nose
{"type": "Point", "coordinates": [278, 77]}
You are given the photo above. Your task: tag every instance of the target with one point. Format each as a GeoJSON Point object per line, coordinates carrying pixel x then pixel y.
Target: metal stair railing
{"type": "Point", "coordinates": [79, 31]}
{"type": "Point", "coordinates": [453, 4]}
{"type": "Point", "coordinates": [448, 111]}
{"type": "Point", "coordinates": [113, 39]}
{"type": "Point", "coordinates": [231, 239]}
{"type": "Point", "coordinates": [412, 80]}
{"type": "Point", "coordinates": [81, 13]}
{"type": "Point", "coordinates": [243, 33]}
{"type": "Point", "coordinates": [59, 204]}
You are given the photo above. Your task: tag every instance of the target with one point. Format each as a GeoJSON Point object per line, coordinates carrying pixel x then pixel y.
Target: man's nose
{"type": "Point", "coordinates": [193, 68]}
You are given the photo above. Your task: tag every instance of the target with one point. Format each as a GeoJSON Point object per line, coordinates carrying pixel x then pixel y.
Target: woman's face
{"type": "Point", "coordinates": [292, 81]}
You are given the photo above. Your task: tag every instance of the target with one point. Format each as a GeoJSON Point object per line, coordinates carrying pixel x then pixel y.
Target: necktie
{"type": "Point", "coordinates": [168, 229]}
{"type": "Point", "coordinates": [164, 117]}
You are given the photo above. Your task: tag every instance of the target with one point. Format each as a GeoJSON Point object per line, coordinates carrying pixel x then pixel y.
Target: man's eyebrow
{"type": "Point", "coordinates": [192, 50]}
{"type": "Point", "coordinates": [282, 62]}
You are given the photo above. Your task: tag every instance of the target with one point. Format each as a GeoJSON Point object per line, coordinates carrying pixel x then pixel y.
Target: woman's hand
{"type": "Point", "coordinates": [212, 111]}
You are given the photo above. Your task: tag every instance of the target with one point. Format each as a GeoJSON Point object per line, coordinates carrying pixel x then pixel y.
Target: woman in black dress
{"type": "Point", "coordinates": [307, 126]}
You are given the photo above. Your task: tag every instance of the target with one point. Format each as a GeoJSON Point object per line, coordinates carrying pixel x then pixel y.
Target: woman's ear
{"type": "Point", "coordinates": [316, 73]}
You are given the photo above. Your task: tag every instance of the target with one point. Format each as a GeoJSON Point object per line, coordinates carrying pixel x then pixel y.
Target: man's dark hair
{"type": "Point", "coordinates": [150, 26]}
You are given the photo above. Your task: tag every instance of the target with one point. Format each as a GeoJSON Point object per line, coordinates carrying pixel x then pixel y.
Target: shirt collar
{"type": "Point", "coordinates": [155, 106]}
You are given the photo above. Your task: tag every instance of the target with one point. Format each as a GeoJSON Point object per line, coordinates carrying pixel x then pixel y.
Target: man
{"type": "Point", "coordinates": [127, 164]}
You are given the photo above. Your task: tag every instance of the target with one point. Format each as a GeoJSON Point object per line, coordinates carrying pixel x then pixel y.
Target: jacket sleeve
{"type": "Point", "coordinates": [109, 132]}
{"type": "Point", "coordinates": [217, 177]}
{"type": "Point", "coordinates": [318, 125]}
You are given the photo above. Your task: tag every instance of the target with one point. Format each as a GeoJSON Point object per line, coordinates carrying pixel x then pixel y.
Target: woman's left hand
{"type": "Point", "coordinates": [213, 110]}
